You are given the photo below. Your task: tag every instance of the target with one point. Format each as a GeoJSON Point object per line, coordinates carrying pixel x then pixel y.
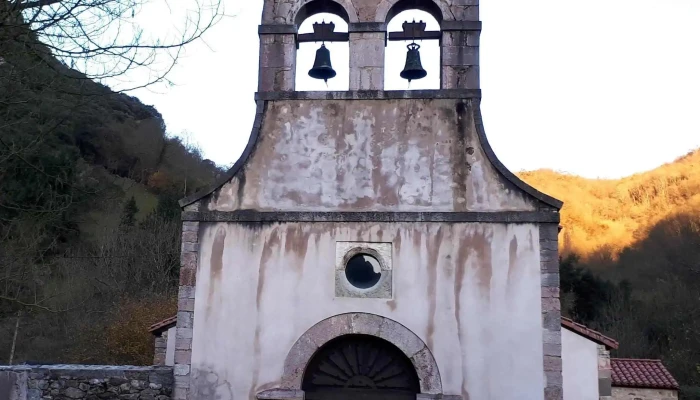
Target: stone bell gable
{"type": "Point", "coordinates": [369, 149]}
{"type": "Point", "coordinates": [373, 220]}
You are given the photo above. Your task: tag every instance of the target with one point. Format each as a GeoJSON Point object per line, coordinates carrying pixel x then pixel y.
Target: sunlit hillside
{"type": "Point", "coordinates": [638, 276]}
{"type": "Point", "coordinates": [602, 217]}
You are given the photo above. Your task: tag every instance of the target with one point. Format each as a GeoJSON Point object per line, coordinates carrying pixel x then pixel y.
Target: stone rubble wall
{"type": "Point", "coordinates": [86, 382]}
{"type": "Point", "coordinates": [623, 393]}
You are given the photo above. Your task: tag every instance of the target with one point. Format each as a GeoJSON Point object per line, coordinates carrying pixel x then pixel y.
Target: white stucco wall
{"type": "Point", "coordinates": [579, 366]}
{"type": "Point", "coordinates": [170, 349]}
{"type": "Point", "coordinates": [470, 291]}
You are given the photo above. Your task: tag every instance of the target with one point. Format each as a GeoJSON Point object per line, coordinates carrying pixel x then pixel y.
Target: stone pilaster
{"type": "Point", "coordinates": [185, 306]}
{"type": "Point", "coordinates": [460, 55]}
{"type": "Point", "coordinates": [465, 10]}
{"type": "Point", "coordinates": [161, 347]}
{"type": "Point", "coordinates": [367, 44]}
{"type": "Point", "coordinates": [551, 312]}
{"type": "Point", "coordinates": [604, 373]}
{"type": "Point", "coordinates": [278, 54]}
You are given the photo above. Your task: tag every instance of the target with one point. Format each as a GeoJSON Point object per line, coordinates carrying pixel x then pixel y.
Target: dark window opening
{"type": "Point", "coordinates": [360, 367]}
{"type": "Point", "coordinates": [396, 53]}
{"type": "Point", "coordinates": [363, 271]}
{"type": "Point", "coordinates": [339, 55]}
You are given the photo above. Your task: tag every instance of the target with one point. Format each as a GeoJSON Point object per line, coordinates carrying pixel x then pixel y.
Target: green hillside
{"type": "Point", "coordinates": [83, 268]}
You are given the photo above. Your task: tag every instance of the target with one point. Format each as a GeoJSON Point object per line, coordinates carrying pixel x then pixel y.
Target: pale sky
{"type": "Point", "coordinates": [598, 88]}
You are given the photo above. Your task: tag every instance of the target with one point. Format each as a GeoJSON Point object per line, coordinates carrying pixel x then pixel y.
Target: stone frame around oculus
{"type": "Point", "coordinates": [381, 252]}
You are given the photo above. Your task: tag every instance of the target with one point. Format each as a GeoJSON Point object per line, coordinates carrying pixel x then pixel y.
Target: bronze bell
{"type": "Point", "coordinates": [414, 68]}
{"type": "Point", "coordinates": [322, 65]}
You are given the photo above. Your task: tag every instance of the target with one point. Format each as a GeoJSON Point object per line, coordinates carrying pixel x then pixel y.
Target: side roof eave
{"type": "Point", "coordinates": [589, 333]}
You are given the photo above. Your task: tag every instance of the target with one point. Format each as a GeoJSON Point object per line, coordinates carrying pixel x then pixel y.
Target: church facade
{"type": "Point", "coordinates": [369, 244]}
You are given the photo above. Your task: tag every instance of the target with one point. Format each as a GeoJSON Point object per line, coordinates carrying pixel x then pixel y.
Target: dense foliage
{"type": "Point", "coordinates": [89, 222]}
{"type": "Point", "coordinates": [631, 265]}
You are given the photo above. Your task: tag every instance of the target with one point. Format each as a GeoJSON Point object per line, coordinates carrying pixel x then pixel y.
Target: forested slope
{"type": "Point", "coordinates": [89, 221]}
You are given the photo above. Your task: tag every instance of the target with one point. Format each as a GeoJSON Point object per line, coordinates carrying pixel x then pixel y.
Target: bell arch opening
{"type": "Point", "coordinates": [427, 6]}
{"type": "Point", "coordinates": [398, 57]}
{"type": "Point", "coordinates": [314, 7]}
{"type": "Point", "coordinates": [310, 54]}
{"type": "Point", "coordinates": [360, 367]}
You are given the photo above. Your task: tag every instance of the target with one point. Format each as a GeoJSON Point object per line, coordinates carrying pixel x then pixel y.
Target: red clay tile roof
{"type": "Point", "coordinates": [163, 325]}
{"type": "Point", "coordinates": [589, 333]}
{"type": "Point", "coordinates": [628, 372]}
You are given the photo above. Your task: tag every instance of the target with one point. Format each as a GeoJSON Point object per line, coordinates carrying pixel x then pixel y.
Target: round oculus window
{"type": "Point", "coordinates": [363, 271]}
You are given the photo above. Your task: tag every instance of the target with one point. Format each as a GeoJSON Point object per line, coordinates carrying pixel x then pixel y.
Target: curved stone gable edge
{"type": "Point", "coordinates": [505, 172]}
{"type": "Point", "coordinates": [481, 132]}
{"type": "Point", "coordinates": [237, 166]}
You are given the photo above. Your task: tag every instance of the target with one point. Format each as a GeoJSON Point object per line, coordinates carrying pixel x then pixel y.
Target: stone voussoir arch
{"type": "Point", "coordinates": [287, 12]}
{"type": "Point", "coordinates": [385, 7]}
{"type": "Point", "coordinates": [362, 324]}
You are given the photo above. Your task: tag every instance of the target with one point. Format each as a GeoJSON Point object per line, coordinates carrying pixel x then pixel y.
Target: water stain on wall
{"type": "Point", "coordinates": [206, 384]}
{"type": "Point", "coordinates": [270, 248]}
{"type": "Point", "coordinates": [216, 265]}
{"type": "Point", "coordinates": [433, 247]}
{"type": "Point", "coordinates": [512, 259]}
{"type": "Point", "coordinates": [459, 158]}
{"type": "Point", "coordinates": [296, 241]}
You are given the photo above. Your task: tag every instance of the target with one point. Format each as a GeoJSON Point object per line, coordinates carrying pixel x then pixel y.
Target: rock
{"type": "Point", "coordinates": [108, 396]}
{"type": "Point", "coordinates": [137, 384]}
{"type": "Point", "coordinates": [155, 386]}
{"type": "Point", "coordinates": [37, 384]}
{"type": "Point", "coordinates": [55, 385]}
{"type": "Point", "coordinates": [84, 387]}
{"type": "Point", "coordinates": [149, 392]}
{"type": "Point", "coordinates": [162, 378]}
{"type": "Point", "coordinates": [161, 397]}
{"type": "Point", "coordinates": [124, 388]}
{"type": "Point", "coordinates": [133, 396]}
{"type": "Point", "coordinates": [96, 390]}
{"type": "Point", "coordinates": [117, 381]}
{"type": "Point", "coordinates": [74, 393]}
{"type": "Point", "coordinates": [95, 382]}
{"type": "Point", "coordinates": [33, 394]}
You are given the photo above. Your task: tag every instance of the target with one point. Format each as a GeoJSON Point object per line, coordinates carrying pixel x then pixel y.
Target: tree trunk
{"type": "Point", "coordinates": [14, 338]}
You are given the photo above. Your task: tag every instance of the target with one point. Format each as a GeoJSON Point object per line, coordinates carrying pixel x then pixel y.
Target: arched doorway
{"type": "Point", "coordinates": [360, 367]}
